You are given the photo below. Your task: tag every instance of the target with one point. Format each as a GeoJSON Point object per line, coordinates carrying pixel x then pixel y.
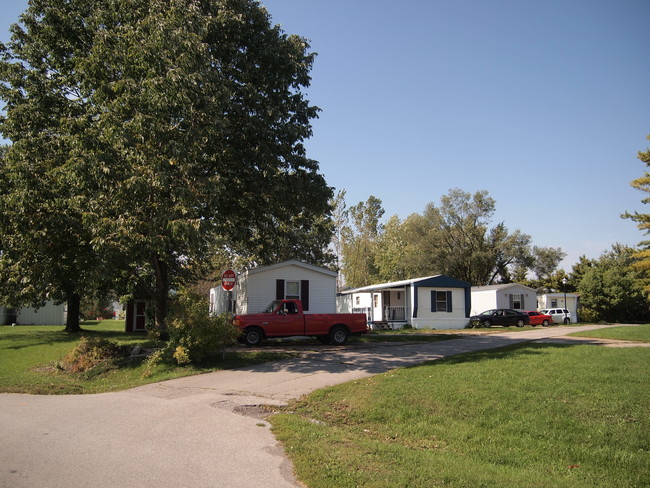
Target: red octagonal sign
{"type": "Point", "coordinates": [228, 279]}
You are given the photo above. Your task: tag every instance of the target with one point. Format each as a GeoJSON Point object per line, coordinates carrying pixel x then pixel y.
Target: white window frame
{"type": "Point", "coordinates": [289, 294]}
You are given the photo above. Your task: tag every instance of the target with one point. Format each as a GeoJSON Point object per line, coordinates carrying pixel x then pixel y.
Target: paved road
{"type": "Point", "coordinates": [198, 431]}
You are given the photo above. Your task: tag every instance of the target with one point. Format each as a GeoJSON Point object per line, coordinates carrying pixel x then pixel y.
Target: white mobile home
{"type": "Point", "coordinates": [433, 302]}
{"type": "Point", "coordinates": [48, 314]}
{"type": "Point", "coordinates": [570, 301]}
{"type": "Point", "coordinates": [510, 295]}
{"type": "Point", "coordinates": [255, 288]}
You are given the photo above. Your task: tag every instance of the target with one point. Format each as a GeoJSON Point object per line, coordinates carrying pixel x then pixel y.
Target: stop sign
{"type": "Point", "coordinates": [228, 280]}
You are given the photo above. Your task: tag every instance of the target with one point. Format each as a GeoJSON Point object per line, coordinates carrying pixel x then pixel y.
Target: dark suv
{"type": "Point", "coordinates": [500, 316]}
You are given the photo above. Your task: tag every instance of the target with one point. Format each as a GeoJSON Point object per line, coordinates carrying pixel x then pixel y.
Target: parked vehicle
{"type": "Point", "coordinates": [537, 318]}
{"type": "Point", "coordinates": [500, 316]}
{"type": "Point", "coordinates": [285, 318]}
{"type": "Point", "coordinates": [560, 315]}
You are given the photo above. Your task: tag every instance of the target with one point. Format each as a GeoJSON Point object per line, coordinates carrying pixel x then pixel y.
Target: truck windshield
{"type": "Point", "coordinates": [272, 307]}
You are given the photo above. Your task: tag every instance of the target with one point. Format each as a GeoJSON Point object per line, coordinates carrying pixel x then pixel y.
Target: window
{"type": "Point", "coordinates": [293, 290]}
{"type": "Point", "coordinates": [441, 301]}
{"type": "Point", "coordinates": [357, 300]}
{"type": "Point", "coordinates": [554, 302]}
{"type": "Point", "coordinates": [516, 301]}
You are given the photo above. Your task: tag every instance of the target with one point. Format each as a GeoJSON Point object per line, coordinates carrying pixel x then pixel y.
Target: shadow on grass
{"type": "Point", "coordinates": [25, 338]}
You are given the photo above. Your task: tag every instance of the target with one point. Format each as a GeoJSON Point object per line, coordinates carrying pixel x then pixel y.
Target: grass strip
{"type": "Point", "coordinates": [532, 415]}
{"type": "Point", "coordinates": [29, 356]}
{"type": "Point", "coordinates": [640, 333]}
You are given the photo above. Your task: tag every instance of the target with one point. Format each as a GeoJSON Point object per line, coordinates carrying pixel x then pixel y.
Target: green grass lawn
{"type": "Point", "coordinates": [639, 333]}
{"type": "Point", "coordinates": [532, 415]}
{"type": "Point", "coordinates": [28, 357]}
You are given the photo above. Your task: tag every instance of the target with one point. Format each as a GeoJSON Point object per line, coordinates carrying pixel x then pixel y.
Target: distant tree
{"type": "Point", "coordinates": [360, 242]}
{"type": "Point", "coordinates": [164, 129]}
{"type": "Point", "coordinates": [392, 250]}
{"type": "Point", "coordinates": [642, 256]}
{"type": "Point", "coordinates": [546, 260]}
{"type": "Point", "coordinates": [455, 238]}
{"type": "Point", "coordinates": [610, 289]}
{"type": "Point", "coordinates": [340, 220]}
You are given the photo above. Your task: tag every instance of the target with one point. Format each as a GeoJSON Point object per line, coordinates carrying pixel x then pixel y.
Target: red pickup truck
{"type": "Point", "coordinates": [285, 318]}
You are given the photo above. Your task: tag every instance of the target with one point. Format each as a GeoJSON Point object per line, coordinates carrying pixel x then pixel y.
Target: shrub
{"type": "Point", "coordinates": [194, 334]}
{"type": "Point", "coordinates": [93, 352]}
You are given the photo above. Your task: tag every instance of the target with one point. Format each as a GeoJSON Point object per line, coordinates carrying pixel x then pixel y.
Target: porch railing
{"type": "Point", "coordinates": [365, 310]}
{"type": "Point", "coordinates": [394, 313]}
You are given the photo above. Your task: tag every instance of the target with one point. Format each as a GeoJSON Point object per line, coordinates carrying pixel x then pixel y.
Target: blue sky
{"type": "Point", "coordinates": [543, 104]}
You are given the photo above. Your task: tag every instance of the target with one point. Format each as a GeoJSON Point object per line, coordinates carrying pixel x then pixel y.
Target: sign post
{"type": "Point", "coordinates": [228, 281]}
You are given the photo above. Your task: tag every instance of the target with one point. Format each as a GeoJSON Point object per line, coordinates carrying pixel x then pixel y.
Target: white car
{"type": "Point", "coordinates": [560, 315]}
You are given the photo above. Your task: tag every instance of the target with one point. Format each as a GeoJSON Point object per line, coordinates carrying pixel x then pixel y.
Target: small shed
{"type": "Point", "coordinates": [136, 315]}
{"type": "Point", "coordinates": [510, 295]}
{"type": "Point", "coordinates": [432, 302]}
{"type": "Point", "coordinates": [255, 288]}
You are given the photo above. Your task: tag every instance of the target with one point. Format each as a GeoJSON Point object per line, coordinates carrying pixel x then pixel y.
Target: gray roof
{"type": "Point", "coordinates": [502, 286]}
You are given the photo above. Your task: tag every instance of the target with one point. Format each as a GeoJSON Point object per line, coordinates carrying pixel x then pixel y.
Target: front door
{"type": "Point", "coordinates": [139, 315]}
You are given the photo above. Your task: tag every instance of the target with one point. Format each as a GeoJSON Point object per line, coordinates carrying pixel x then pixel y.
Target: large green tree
{"type": "Point", "coordinates": [178, 124]}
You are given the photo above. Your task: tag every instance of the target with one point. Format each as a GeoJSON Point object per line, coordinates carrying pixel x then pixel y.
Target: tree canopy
{"type": "Point", "coordinates": [610, 288]}
{"type": "Point", "coordinates": [455, 238]}
{"type": "Point", "coordinates": [642, 262]}
{"type": "Point", "coordinates": [153, 133]}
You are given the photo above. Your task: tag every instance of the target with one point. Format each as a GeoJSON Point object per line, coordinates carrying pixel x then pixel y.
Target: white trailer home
{"type": "Point", "coordinates": [255, 288]}
{"type": "Point", "coordinates": [433, 302]}
{"type": "Point", "coordinates": [510, 295]}
{"type": "Point", "coordinates": [48, 314]}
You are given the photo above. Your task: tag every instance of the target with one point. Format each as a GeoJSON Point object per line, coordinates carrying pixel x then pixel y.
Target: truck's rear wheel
{"type": "Point", "coordinates": [339, 335]}
{"type": "Point", "coordinates": [253, 336]}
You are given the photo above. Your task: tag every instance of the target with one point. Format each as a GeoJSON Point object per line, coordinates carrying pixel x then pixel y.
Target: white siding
{"type": "Point", "coordinates": [3, 315]}
{"type": "Point", "coordinates": [50, 314]}
{"type": "Point", "coordinates": [261, 288]}
{"type": "Point", "coordinates": [498, 296]}
{"type": "Point", "coordinates": [256, 288]}
{"type": "Point", "coordinates": [483, 300]}
{"type": "Point", "coordinates": [426, 319]}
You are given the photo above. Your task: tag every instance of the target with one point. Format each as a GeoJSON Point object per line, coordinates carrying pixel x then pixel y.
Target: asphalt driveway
{"type": "Point", "coordinates": [198, 431]}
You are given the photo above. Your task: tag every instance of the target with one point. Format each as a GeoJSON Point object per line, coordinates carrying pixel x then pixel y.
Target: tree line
{"type": "Point", "coordinates": [456, 237]}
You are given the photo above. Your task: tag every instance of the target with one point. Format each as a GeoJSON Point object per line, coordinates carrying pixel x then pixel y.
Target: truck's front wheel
{"type": "Point", "coordinates": [339, 335]}
{"type": "Point", "coordinates": [253, 336]}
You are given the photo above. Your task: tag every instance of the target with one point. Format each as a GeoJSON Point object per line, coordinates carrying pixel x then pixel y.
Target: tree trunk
{"type": "Point", "coordinates": [161, 295]}
{"type": "Point", "coordinates": [74, 306]}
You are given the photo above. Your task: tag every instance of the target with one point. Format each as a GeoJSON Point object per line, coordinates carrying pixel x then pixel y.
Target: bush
{"type": "Point", "coordinates": [93, 352]}
{"type": "Point", "coordinates": [194, 334]}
